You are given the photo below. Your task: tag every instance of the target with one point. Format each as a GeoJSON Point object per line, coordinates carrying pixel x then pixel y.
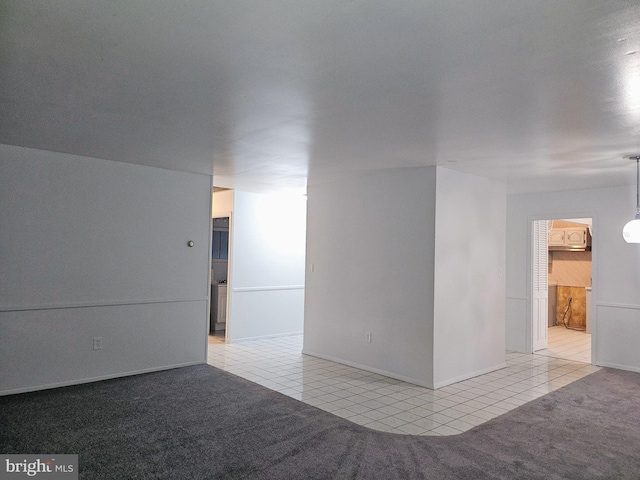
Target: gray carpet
{"type": "Point", "coordinates": [200, 422]}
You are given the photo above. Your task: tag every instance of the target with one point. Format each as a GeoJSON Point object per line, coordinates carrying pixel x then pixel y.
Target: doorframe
{"type": "Point", "coordinates": [594, 276]}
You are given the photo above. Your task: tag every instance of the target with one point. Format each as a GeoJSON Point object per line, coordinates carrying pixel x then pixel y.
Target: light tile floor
{"type": "Point", "coordinates": [568, 344]}
{"type": "Point", "coordinates": [390, 405]}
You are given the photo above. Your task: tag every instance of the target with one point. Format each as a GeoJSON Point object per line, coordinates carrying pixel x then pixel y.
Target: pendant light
{"type": "Point", "coordinates": [631, 231]}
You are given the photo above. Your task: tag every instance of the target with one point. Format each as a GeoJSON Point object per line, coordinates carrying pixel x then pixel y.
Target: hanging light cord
{"type": "Point", "coordinates": [638, 187]}
{"type": "Point", "coordinates": [564, 318]}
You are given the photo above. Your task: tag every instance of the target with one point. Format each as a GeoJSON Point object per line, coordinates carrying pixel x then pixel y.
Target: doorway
{"type": "Point", "coordinates": [562, 288]}
{"type": "Point", "coordinates": [219, 277]}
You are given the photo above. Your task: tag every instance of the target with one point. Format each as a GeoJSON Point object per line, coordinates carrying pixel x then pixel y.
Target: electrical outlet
{"type": "Point", "coordinates": [97, 343]}
{"type": "Point", "coordinates": [367, 337]}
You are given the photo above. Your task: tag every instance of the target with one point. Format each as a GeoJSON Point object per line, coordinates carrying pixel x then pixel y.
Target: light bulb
{"type": "Point", "coordinates": [631, 231]}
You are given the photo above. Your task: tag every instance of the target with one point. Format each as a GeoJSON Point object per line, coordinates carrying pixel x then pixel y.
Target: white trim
{"type": "Point", "coordinates": [262, 337]}
{"type": "Point", "coordinates": [619, 367]}
{"type": "Point", "coordinates": [618, 305]}
{"type": "Point", "coordinates": [367, 368]}
{"type": "Point", "coordinates": [96, 379]}
{"type": "Point", "coordinates": [63, 306]}
{"type": "Point", "coordinates": [208, 308]}
{"type": "Point", "coordinates": [268, 288]}
{"type": "Point", "coordinates": [539, 284]}
{"type": "Point", "coordinates": [451, 381]}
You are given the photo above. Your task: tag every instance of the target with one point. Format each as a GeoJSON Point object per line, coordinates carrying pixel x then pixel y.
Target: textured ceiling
{"type": "Point", "coordinates": [540, 95]}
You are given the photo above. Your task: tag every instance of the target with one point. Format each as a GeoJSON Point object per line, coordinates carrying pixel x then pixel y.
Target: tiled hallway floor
{"type": "Point", "coordinates": [568, 344]}
{"type": "Point", "coordinates": [390, 405]}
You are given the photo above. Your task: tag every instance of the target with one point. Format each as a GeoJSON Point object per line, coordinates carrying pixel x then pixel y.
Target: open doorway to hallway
{"type": "Point", "coordinates": [569, 265]}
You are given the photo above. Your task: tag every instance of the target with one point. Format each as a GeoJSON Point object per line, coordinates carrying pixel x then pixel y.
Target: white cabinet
{"type": "Point", "coordinates": [218, 307]}
{"type": "Point", "coordinates": [556, 237]}
{"type": "Point", "coordinates": [574, 238]}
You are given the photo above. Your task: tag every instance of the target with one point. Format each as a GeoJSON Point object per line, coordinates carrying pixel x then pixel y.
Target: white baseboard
{"type": "Point", "coordinates": [80, 381]}
{"type": "Point", "coordinates": [367, 368]}
{"type": "Point", "coordinates": [262, 337]}
{"type": "Point", "coordinates": [461, 378]}
{"type": "Point", "coordinates": [511, 348]}
{"type": "Point", "coordinates": [628, 368]}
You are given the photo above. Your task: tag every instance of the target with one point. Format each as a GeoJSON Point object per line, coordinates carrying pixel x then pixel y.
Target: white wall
{"type": "Point", "coordinates": [469, 309]}
{"type": "Point", "coordinates": [222, 203]}
{"type": "Point", "coordinates": [616, 273]}
{"type": "Point", "coordinates": [412, 256]}
{"type": "Point", "coordinates": [222, 206]}
{"type": "Point", "coordinates": [93, 248]}
{"type": "Point", "coordinates": [370, 269]}
{"type": "Point", "coordinates": [266, 277]}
